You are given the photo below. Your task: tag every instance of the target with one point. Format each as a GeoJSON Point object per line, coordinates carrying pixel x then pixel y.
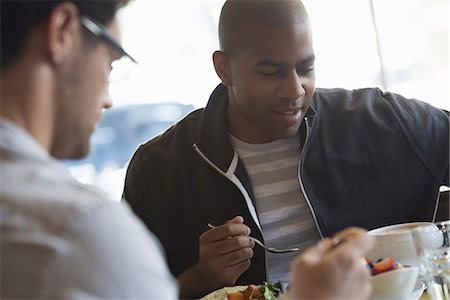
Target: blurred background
{"type": "Point", "coordinates": [400, 46]}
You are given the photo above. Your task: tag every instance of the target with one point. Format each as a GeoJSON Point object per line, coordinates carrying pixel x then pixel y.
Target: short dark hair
{"type": "Point", "coordinates": [19, 16]}
{"type": "Point", "coordinates": [236, 14]}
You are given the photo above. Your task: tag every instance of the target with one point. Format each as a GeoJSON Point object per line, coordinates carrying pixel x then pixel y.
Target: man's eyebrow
{"type": "Point", "coordinates": [309, 60]}
{"type": "Point", "coordinates": [268, 62]}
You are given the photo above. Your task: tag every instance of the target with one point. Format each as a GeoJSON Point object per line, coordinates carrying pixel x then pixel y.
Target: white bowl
{"type": "Point", "coordinates": [396, 284]}
{"type": "Point", "coordinates": [396, 241]}
{"type": "Point", "coordinates": [418, 291]}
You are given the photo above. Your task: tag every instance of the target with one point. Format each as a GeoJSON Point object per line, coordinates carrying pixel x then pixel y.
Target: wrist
{"type": "Point", "coordinates": [195, 282]}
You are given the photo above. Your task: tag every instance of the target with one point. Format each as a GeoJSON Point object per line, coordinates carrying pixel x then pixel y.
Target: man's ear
{"type": "Point", "coordinates": [222, 66]}
{"type": "Point", "coordinates": [63, 31]}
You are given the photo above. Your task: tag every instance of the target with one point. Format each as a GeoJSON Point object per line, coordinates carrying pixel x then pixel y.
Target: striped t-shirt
{"type": "Point", "coordinates": [284, 215]}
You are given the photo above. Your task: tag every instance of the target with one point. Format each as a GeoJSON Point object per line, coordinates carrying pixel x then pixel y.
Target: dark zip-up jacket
{"type": "Point", "coordinates": [368, 159]}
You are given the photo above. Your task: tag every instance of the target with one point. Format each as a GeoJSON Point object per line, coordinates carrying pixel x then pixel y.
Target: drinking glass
{"type": "Point", "coordinates": [432, 243]}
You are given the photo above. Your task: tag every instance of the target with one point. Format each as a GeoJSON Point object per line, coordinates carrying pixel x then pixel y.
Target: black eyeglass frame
{"type": "Point", "coordinates": [102, 33]}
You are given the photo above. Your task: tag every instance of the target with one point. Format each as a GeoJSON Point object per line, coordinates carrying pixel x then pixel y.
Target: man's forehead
{"type": "Point", "coordinates": [276, 40]}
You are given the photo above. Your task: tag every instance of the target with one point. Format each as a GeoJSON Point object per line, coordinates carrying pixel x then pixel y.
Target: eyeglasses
{"type": "Point", "coordinates": [121, 67]}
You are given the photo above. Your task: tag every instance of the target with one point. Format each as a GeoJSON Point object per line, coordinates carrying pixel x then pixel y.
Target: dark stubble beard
{"type": "Point", "coordinates": [70, 139]}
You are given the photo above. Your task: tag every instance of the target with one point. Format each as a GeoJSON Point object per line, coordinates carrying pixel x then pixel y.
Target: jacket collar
{"type": "Point", "coordinates": [214, 141]}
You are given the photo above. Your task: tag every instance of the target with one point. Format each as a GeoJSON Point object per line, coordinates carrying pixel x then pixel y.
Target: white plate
{"type": "Point", "coordinates": [222, 293]}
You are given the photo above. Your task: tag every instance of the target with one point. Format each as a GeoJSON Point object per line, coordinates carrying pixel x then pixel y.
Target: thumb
{"type": "Point", "coordinates": [315, 254]}
{"type": "Point", "coordinates": [236, 220]}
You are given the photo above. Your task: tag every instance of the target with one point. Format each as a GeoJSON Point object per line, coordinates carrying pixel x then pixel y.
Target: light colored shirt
{"type": "Point", "coordinates": [60, 239]}
{"type": "Point", "coordinates": [285, 217]}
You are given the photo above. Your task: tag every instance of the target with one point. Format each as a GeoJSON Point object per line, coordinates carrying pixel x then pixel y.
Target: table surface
{"type": "Point", "coordinates": [425, 296]}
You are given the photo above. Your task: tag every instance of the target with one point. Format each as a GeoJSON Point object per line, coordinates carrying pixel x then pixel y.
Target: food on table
{"type": "Point", "coordinates": [221, 294]}
{"type": "Point", "coordinates": [266, 291]}
{"type": "Point", "coordinates": [248, 293]}
{"type": "Point", "coordinates": [383, 265]}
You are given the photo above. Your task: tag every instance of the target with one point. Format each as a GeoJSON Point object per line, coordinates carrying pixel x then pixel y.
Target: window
{"type": "Point", "coordinates": [400, 46]}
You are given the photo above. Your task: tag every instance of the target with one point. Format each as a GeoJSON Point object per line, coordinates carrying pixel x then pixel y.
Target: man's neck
{"type": "Point", "coordinates": [26, 100]}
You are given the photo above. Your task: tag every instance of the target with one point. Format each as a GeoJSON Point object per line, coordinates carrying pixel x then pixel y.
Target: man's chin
{"type": "Point", "coordinates": [81, 152]}
{"type": "Point", "coordinates": [289, 132]}
{"type": "Point", "coordinates": [75, 153]}
{"type": "Point", "coordinates": [286, 136]}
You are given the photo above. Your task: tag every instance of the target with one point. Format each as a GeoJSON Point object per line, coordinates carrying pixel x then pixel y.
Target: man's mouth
{"type": "Point", "coordinates": [289, 117]}
{"type": "Point", "coordinates": [289, 112]}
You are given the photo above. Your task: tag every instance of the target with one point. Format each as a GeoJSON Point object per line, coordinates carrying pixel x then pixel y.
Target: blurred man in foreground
{"type": "Point", "coordinates": [59, 238]}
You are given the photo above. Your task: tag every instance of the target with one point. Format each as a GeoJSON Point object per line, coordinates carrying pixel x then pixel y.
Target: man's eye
{"type": "Point", "coordinates": [269, 72]}
{"type": "Point", "coordinates": [305, 70]}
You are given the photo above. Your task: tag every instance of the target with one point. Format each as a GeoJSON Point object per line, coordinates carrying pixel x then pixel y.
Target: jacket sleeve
{"type": "Point", "coordinates": [137, 190]}
{"type": "Point", "coordinates": [427, 129]}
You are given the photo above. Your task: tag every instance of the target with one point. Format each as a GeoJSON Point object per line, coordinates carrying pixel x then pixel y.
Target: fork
{"type": "Point", "coordinates": [269, 249]}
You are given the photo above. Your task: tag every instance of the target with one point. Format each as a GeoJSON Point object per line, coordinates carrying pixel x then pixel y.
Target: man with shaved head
{"type": "Point", "coordinates": [236, 15]}
{"type": "Point", "coordinates": [273, 157]}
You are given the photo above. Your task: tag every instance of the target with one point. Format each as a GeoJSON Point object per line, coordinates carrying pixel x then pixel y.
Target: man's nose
{"type": "Point", "coordinates": [292, 87]}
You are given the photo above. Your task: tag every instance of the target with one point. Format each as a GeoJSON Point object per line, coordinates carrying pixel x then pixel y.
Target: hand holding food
{"type": "Point", "coordinates": [327, 271]}
{"type": "Point", "coordinates": [334, 269]}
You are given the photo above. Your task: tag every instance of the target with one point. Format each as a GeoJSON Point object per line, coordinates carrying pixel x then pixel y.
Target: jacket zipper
{"type": "Point", "coordinates": [301, 183]}
{"type": "Point", "coordinates": [236, 182]}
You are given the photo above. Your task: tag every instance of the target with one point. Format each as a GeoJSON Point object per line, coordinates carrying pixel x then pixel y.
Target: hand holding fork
{"type": "Point", "coordinates": [269, 249]}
